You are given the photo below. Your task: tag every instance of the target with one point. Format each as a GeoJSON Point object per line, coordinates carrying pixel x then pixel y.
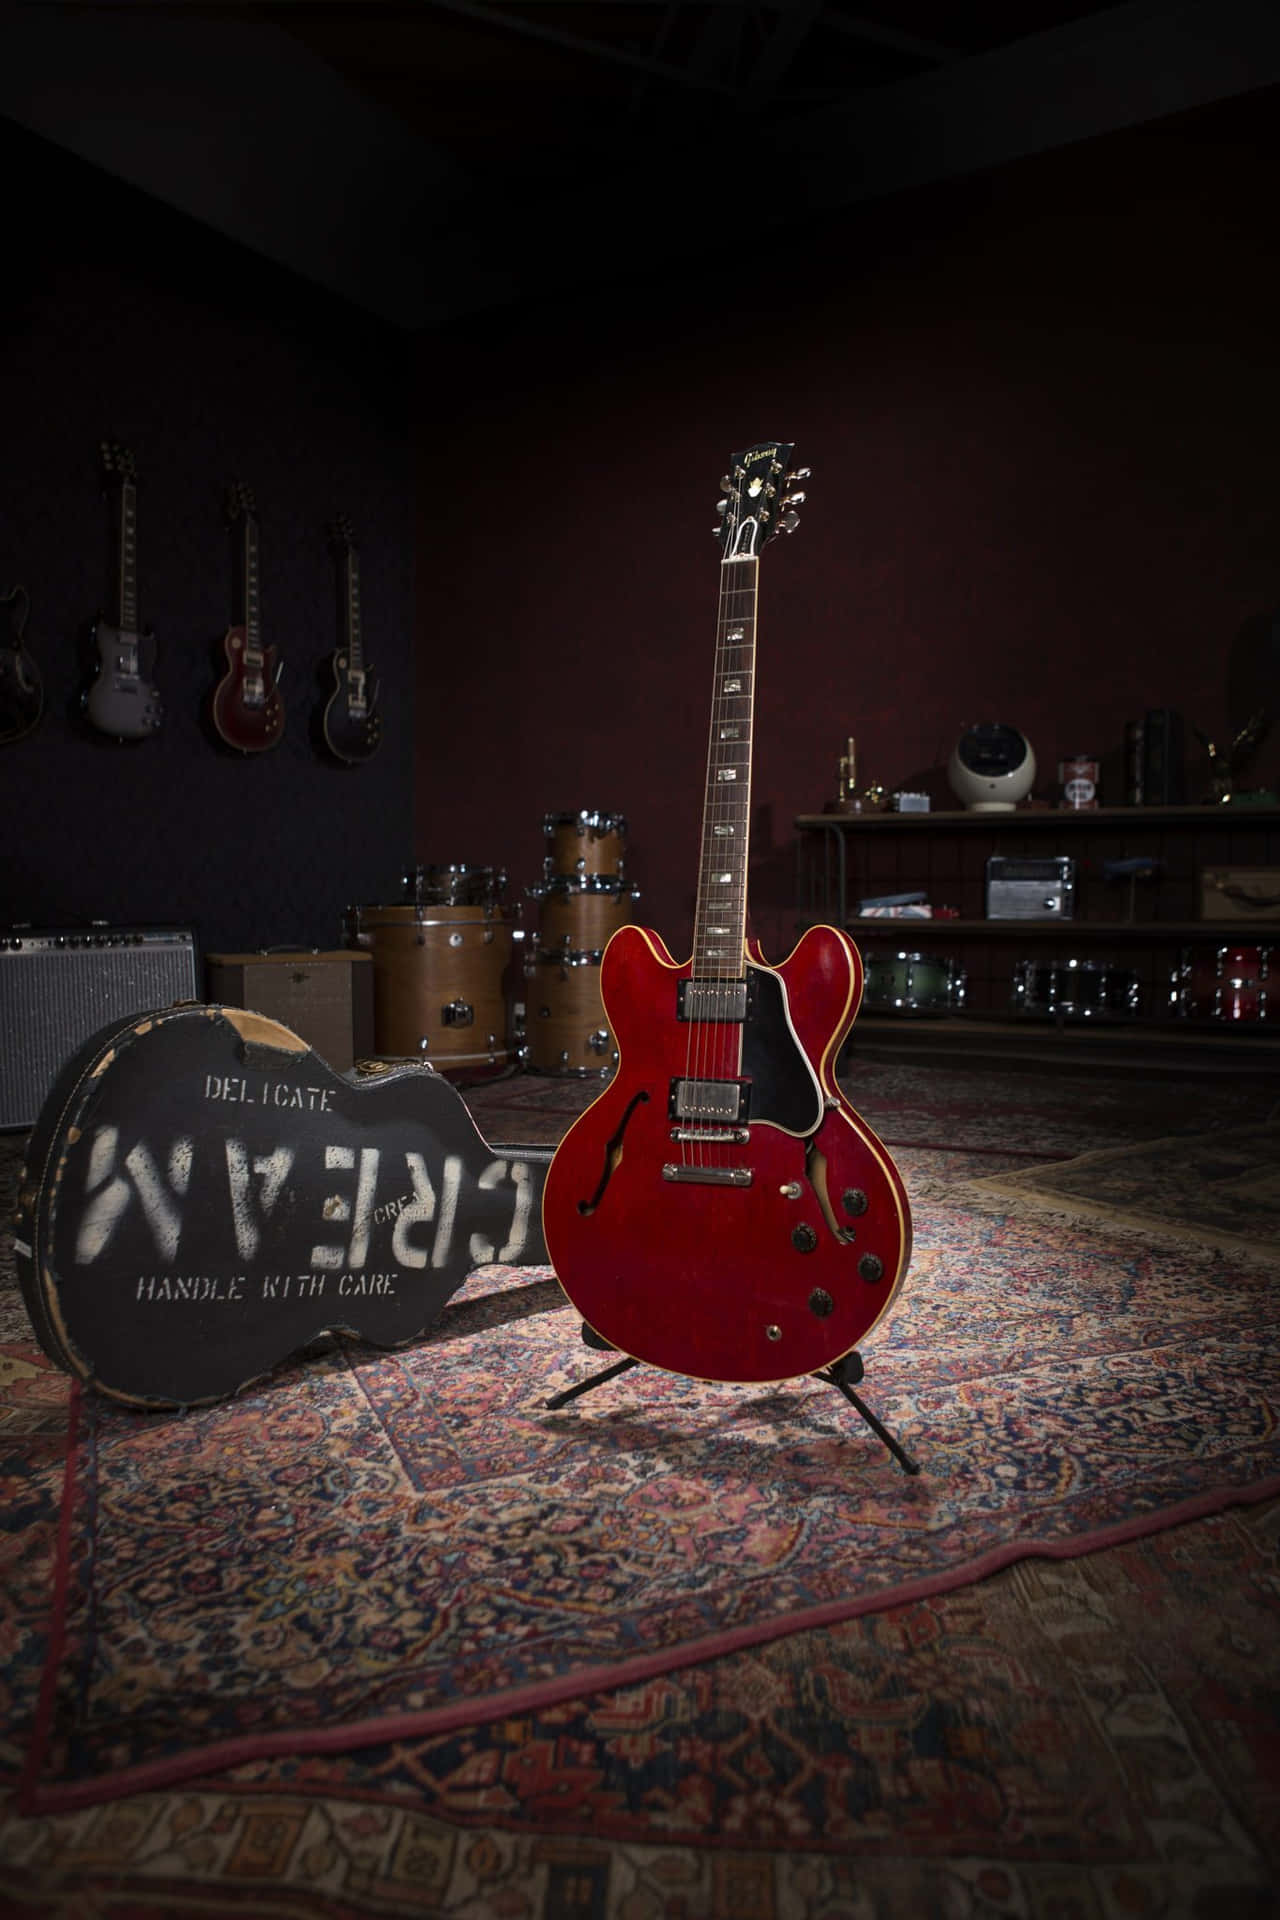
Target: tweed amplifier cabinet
{"type": "Point", "coordinates": [325, 998]}
{"type": "Point", "coordinates": [1031, 889]}
{"type": "Point", "coordinates": [60, 986]}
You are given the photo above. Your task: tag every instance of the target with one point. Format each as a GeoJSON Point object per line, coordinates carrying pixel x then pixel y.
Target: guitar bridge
{"type": "Point", "coordinates": [707, 1176]}
{"type": "Point", "coordinates": [712, 1136]}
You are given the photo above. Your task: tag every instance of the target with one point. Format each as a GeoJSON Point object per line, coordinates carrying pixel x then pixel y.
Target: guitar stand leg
{"type": "Point", "coordinates": [592, 1380]}
{"type": "Point", "coordinates": [846, 1370]}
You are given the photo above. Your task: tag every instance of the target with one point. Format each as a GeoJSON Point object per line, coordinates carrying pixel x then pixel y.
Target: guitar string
{"type": "Point", "coordinates": [696, 1066]}
{"type": "Point", "coordinates": [713, 1053]}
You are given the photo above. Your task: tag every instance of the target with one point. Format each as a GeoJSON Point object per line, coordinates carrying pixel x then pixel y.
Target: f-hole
{"type": "Point", "coordinates": [612, 1155]}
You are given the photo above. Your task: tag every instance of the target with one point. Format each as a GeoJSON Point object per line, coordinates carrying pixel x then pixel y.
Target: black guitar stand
{"type": "Point", "coordinates": [845, 1374]}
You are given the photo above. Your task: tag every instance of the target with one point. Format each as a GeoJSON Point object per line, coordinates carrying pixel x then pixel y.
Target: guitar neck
{"type": "Point", "coordinates": [252, 621]}
{"type": "Point", "coordinates": [720, 918]}
{"type": "Point", "coordinates": [355, 649]}
{"type": "Point", "coordinates": [126, 600]}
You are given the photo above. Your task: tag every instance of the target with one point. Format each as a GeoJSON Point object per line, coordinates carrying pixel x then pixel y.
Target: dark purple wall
{"type": "Point", "coordinates": [121, 320]}
{"type": "Point", "coordinates": [1042, 410]}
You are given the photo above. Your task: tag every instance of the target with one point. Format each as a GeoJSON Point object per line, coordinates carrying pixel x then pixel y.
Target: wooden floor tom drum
{"type": "Point", "coordinates": [584, 842]}
{"type": "Point", "coordinates": [565, 1027]}
{"type": "Point", "coordinates": [580, 912]}
{"type": "Point", "coordinates": [441, 981]}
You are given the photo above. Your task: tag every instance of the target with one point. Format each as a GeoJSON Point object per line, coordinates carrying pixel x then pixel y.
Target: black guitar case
{"type": "Point", "coordinates": [203, 1196]}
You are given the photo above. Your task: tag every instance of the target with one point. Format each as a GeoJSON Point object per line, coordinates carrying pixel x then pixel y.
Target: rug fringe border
{"type": "Point", "coordinates": [218, 1758]}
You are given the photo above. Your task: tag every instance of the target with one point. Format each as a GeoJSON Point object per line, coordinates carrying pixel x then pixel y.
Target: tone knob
{"type": "Point", "coordinates": [804, 1238]}
{"type": "Point", "coordinates": [820, 1303]}
{"type": "Point", "coordinates": [871, 1267]}
{"type": "Point", "coordinates": [854, 1201]}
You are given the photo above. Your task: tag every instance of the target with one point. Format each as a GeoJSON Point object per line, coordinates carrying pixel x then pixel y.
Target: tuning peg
{"type": "Point", "coordinates": [722, 507]}
{"type": "Point", "coordinates": [793, 499]}
{"type": "Point", "coordinates": [801, 473]}
{"type": "Point", "coordinates": [726, 483]}
{"type": "Point", "coordinates": [789, 522]}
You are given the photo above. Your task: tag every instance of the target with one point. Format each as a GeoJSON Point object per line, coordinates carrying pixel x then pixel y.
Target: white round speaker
{"type": "Point", "coordinates": [991, 767]}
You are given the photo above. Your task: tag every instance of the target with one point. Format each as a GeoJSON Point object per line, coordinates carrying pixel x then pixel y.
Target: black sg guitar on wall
{"type": "Point", "coordinates": [121, 700]}
{"type": "Point", "coordinates": [21, 689]}
{"type": "Point", "coordinates": [352, 725]}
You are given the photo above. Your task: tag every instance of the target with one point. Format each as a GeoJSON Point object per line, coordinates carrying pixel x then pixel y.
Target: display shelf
{"type": "Point", "coordinates": [1144, 925]}
{"type": "Point", "coordinates": [1065, 819]}
{"type": "Point", "coordinates": [1216, 933]}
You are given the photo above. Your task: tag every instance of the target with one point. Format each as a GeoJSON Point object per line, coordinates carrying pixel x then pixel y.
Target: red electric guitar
{"type": "Point", "coordinates": [721, 1211]}
{"type": "Point", "coordinates": [247, 709]}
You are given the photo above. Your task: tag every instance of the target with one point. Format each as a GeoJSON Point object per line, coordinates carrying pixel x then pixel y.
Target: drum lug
{"type": "Point", "coordinates": [458, 1013]}
{"type": "Point", "coordinates": [599, 1041]}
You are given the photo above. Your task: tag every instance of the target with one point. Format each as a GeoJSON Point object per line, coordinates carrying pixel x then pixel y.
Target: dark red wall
{"type": "Point", "coordinates": [1043, 416]}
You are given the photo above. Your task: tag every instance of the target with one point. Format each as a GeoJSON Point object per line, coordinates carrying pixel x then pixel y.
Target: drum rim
{"type": "Point", "coordinates": [588, 816]}
{"type": "Point", "coordinates": [585, 883]}
{"type": "Point", "coordinates": [408, 914]}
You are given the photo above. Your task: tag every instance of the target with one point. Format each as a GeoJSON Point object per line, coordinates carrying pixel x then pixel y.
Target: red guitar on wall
{"type": "Point", "coordinates": [721, 1211]}
{"type": "Point", "coordinates": [247, 709]}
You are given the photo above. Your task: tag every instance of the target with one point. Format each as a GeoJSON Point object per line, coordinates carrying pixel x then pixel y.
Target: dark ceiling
{"type": "Point", "coordinates": [521, 92]}
{"type": "Point", "coordinates": [431, 158]}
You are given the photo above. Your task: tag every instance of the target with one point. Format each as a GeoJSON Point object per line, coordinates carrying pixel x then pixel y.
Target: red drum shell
{"type": "Point", "coordinates": [1228, 984]}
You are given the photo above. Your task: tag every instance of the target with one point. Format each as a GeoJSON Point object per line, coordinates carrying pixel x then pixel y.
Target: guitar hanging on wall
{"type": "Point", "coordinates": [121, 700]}
{"type": "Point", "coordinates": [352, 725]}
{"type": "Point", "coordinates": [721, 1211]}
{"type": "Point", "coordinates": [247, 709]}
{"type": "Point", "coordinates": [21, 688]}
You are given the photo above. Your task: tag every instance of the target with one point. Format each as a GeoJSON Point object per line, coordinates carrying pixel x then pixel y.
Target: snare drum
{"type": "Point", "coordinates": [1075, 990]}
{"type": "Point", "coordinates": [581, 911]}
{"type": "Point", "coordinates": [1222, 983]}
{"type": "Point", "coordinates": [441, 981]}
{"type": "Point", "coordinates": [912, 983]}
{"type": "Point", "coordinates": [456, 886]}
{"type": "Point", "coordinates": [565, 1026]}
{"type": "Point", "coordinates": [584, 843]}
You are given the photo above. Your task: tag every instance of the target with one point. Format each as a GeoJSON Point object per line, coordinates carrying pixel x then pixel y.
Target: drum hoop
{"type": "Point", "coordinates": [587, 883]}
{"type": "Point", "coordinates": [409, 916]}
{"type": "Point", "coordinates": [586, 820]}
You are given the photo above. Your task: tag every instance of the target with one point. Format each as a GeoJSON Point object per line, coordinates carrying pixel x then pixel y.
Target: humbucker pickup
{"type": "Point", "coordinates": [714, 1000]}
{"type": "Point", "coordinates": [723, 1102]}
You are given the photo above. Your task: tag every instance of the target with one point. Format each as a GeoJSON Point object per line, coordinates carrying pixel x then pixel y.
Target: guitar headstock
{"type": "Point", "coordinates": [241, 501]}
{"type": "Point", "coordinates": [117, 462]}
{"type": "Point", "coordinates": [341, 537]}
{"type": "Point", "coordinates": [755, 507]}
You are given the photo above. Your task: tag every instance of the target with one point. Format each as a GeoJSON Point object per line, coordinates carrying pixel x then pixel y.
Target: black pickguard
{"type": "Point", "coordinates": [784, 1087]}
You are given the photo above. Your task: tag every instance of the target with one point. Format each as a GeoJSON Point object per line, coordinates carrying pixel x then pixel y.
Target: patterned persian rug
{"type": "Point", "coordinates": [1220, 1188]}
{"type": "Point", "coordinates": [384, 1636]}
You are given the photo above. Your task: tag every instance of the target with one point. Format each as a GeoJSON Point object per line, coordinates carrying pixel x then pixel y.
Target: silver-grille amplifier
{"type": "Point", "coordinates": [1031, 889]}
{"type": "Point", "coordinates": [60, 986]}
